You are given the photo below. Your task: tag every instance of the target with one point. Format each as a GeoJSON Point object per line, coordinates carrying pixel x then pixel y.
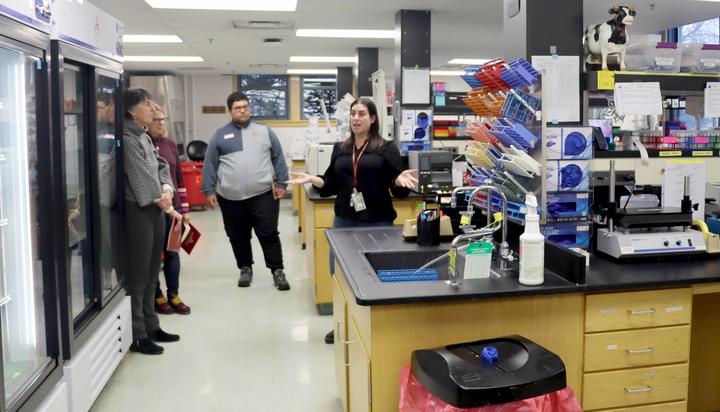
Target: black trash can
{"type": "Point", "coordinates": [488, 372]}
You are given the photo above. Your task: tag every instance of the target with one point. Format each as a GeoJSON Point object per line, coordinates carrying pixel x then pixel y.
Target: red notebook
{"type": "Point", "coordinates": [175, 237]}
{"type": "Point", "coordinates": [191, 239]}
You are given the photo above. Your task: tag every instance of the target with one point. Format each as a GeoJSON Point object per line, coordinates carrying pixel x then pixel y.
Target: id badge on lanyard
{"type": "Point", "coordinates": [357, 201]}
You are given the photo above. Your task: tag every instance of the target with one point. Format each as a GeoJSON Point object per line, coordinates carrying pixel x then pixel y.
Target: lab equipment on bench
{"type": "Point", "coordinates": [434, 170]}
{"type": "Point", "coordinates": [644, 232]}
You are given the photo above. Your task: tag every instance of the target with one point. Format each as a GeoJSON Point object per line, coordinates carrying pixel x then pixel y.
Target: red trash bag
{"type": "Point", "coordinates": [415, 398]}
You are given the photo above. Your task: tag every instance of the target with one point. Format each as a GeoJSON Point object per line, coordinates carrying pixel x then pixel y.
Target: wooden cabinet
{"type": "Point", "coordinates": [297, 166]}
{"type": "Point", "coordinates": [635, 386]}
{"type": "Point", "coordinates": [382, 338]}
{"type": "Point", "coordinates": [341, 336]}
{"type": "Point", "coordinates": [360, 387]}
{"type": "Point", "coordinates": [662, 407]}
{"type": "Point", "coordinates": [634, 348]}
{"type": "Point", "coordinates": [630, 310]}
{"type": "Point", "coordinates": [637, 347]}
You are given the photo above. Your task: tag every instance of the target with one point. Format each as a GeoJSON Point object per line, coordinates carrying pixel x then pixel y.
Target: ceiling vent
{"type": "Point", "coordinates": [263, 24]}
{"type": "Point", "coordinates": [267, 66]}
{"type": "Point", "coordinates": [272, 41]}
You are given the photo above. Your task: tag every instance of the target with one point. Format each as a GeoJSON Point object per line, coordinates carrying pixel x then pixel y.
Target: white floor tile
{"type": "Point", "coordinates": [241, 349]}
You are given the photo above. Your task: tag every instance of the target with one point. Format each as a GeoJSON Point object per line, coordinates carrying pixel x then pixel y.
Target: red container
{"type": "Point", "coordinates": [192, 175]}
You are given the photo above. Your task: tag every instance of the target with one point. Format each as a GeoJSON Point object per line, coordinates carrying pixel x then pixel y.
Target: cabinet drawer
{"type": "Point", "coordinates": [629, 310]}
{"type": "Point", "coordinates": [635, 387]}
{"type": "Point", "coordinates": [663, 407]}
{"type": "Point", "coordinates": [632, 348]}
{"type": "Point", "coordinates": [324, 213]}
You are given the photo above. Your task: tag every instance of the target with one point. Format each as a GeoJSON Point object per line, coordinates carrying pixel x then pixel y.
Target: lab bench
{"type": "Point", "coordinates": [633, 337]}
{"type": "Point", "coordinates": [317, 214]}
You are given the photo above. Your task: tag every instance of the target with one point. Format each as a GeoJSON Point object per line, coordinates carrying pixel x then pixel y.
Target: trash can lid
{"type": "Point", "coordinates": [488, 372]}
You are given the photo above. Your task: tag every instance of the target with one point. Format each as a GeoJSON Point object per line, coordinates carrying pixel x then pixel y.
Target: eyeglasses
{"type": "Point", "coordinates": [159, 119]}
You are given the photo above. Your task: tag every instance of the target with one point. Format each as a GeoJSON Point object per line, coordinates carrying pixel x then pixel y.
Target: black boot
{"type": "Point", "coordinates": [162, 336]}
{"type": "Point", "coordinates": [330, 337]}
{"type": "Point", "coordinates": [146, 346]}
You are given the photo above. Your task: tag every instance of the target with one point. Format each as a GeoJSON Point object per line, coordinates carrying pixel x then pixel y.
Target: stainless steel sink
{"type": "Point", "coordinates": [405, 259]}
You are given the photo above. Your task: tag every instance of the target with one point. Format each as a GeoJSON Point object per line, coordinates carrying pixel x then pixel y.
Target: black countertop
{"type": "Point", "coordinates": [314, 195]}
{"type": "Point", "coordinates": [603, 274]}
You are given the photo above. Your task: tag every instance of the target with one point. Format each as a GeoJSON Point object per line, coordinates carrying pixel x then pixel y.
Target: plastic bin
{"type": "Point", "coordinates": [689, 59]}
{"type": "Point", "coordinates": [708, 60]}
{"type": "Point", "coordinates": [665, 57]}
{"type": "Point", "coordinates": [192, 175]}
{"type": "Point", "coordinates": [502, 374]}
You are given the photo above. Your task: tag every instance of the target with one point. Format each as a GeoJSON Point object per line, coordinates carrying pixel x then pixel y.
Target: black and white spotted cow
{"type": "Point", "coordinates": [610, 37]}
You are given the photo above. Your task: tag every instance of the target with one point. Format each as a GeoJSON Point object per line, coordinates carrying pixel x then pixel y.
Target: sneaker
{"type": "Point", "coordinates": [178, 305]}
{"type": "Point", "coordinates": [162, 306]}
{"type": "Point", "coordinates": [245, 276]}
{"type": "Point", "coordinates": [279, 278]}
{"type": "Point", "coordinates": [162, 336]}
{"type": "Point", "coordinates": [146, 346]}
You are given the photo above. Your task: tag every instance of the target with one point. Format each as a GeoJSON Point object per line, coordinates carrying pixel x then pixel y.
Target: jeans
{"type": "Point", "coordinates": [259, 213]}
{"type": "Point", "coordinates": [171, 265]}
{"type": "Point", "coordinates": [340, 222]}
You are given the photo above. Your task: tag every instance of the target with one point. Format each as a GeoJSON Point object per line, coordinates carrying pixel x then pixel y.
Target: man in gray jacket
{"type": "Point", "coordinates": [242, 161]}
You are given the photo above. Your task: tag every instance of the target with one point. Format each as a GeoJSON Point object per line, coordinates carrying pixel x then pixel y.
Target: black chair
{"type": "Point", "coordinates": [196, 150]}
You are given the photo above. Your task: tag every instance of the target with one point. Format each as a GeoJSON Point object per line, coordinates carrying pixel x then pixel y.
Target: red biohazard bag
{"type": "Point", "coordinates": [415, 398]}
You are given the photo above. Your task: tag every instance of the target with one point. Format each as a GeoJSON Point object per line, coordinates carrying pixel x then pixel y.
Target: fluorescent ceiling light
{"type": "Point", "coordinates": [323, 59]}
{"type": "Point", "coordinates": [471, 61]}
{"type": "Point", "coordinates": [151, 38]}
{"type": "Point", "coordinates": [329, 80]}
{"type": "Point", "coordinates": [184, 59]}
{"type": "Point", "coordinates": [347, 34]}
{"type": "Point", "coordinates": [447, 72]}
{"type": "Point", "coordinates": [246, 5]}
{"type": "Point", "coordinates": [312, 71]}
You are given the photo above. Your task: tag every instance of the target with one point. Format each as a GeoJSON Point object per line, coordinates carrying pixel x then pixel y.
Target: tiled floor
{"type": "Point", "coordinates": [241, 349]}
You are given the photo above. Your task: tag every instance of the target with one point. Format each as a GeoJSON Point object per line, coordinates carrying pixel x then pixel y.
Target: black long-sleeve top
{"type": "Point", "coordinates": [377, 171]}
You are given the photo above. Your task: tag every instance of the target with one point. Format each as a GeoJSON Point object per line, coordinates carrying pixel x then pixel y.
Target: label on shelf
{"type": "Point", "coordinates": [605, 80]}
{"type": "Point", "coordinates": [702, 153]}
{"type": "Point", "coordinates": [664, 61]}
{"type": "Point", "coordinates": [710, 62]}
{"type": "Point", "coordinates": [670, 153]}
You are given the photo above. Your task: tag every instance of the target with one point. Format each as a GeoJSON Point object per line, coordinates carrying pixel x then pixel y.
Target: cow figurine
{"type": "Point", "coordinates": [610, 37]}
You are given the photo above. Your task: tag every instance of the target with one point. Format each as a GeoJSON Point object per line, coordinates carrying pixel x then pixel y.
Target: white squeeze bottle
{"type": "Point", "coordinates": [532, 246]}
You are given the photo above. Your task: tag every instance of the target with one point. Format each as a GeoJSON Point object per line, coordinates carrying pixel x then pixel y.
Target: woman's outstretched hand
{"type": "Point", "coordinates": [406, 179]}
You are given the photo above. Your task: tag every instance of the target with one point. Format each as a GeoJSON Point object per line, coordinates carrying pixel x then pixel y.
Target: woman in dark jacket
{"type": "Point", "coordinates": [364, 170]}
{"type": "Point", "coordinates": [148, 196]}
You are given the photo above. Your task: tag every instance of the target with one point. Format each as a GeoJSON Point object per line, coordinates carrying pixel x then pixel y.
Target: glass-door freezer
{"type": "Point", "coordinates": [88, 132]}
{"type": "Point", "coordinates": [22, 274]}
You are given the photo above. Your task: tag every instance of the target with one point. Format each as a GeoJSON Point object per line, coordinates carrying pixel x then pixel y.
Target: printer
{"type": "Point", "coordinates": [434, 170]}
{"type": "Point", "coordinates": [317, 157]}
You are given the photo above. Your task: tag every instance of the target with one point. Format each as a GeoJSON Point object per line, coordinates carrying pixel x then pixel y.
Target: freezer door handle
{"type": "Point", "coordinates": [4, 301]}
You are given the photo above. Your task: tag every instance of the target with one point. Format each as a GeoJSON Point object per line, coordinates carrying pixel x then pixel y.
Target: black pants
{"type": "Point", "coordinates": [145, 229]}
{"type": "Point", "coordinates": [259, 213]}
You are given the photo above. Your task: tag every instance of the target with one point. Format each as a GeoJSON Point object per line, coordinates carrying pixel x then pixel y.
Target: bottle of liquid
{"type": "Point", "coordinates": [532, 246]}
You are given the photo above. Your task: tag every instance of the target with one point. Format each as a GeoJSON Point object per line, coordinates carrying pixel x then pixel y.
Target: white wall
{"type": "Point", "coordinates": [206, 90]}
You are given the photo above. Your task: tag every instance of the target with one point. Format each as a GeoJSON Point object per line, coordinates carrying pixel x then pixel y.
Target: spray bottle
{"type": "Point", "coordinates": [532, 246]}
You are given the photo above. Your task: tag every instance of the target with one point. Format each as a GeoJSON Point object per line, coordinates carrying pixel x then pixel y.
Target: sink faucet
{"type": "Point", "coordinates": [505, 253]}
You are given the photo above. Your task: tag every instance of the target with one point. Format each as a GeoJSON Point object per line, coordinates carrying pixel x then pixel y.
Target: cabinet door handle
{"type": "Point", "coordinates": [638, 390]}
{"type": "Point", "coordinates": [641, 312]}
{"type": "Point", "coordinates": [337, 332]}
{"type": "Point", "coordinates": [636, 351]}
{"type": "Point", "coordinates": [348, 342]}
